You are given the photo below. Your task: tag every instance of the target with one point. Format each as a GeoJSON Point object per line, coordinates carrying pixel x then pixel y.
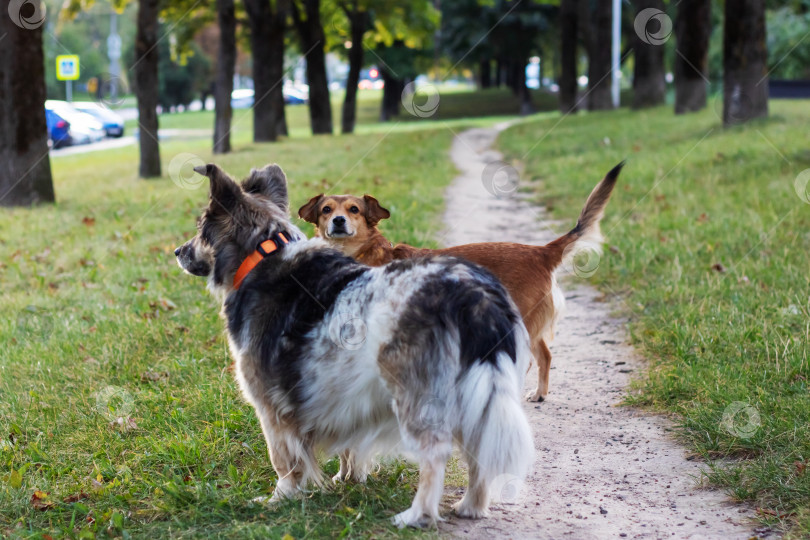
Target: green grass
{"type": "Point", "coordinates": [453, 104]}
{"type": "Point", "coordinates": [694, 196]}
{"type": "Point", "coordinates": [99, 323]}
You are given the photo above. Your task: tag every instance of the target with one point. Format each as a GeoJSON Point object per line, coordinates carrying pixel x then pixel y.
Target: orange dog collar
{"type": "Point", "coordinates": [262, 250]}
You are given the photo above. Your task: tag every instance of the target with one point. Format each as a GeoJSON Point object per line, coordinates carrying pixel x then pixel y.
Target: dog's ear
{"type": "Point", "coordinates": [270, 182]}
{"type": "Point", "coordinates": [374, 212]}
{"type": "Point", "coordinates": [225, 193]}
{"type": "Point", "coordinates": [309, 212]}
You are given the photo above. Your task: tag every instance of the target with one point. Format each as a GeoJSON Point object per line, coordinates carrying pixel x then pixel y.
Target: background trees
{"type": "Point", "coordinates": [692, 30]}
{"type": "Point", "coordinates": [745, 72]}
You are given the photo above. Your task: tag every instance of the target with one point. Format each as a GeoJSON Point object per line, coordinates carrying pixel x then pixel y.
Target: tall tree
{"type": "Point", "coordinates": [313, 43]}
{"type": "Point", "coordinates": [568, 55]}
{"type": "Point", "coordinates": [599, 67]}
{"type": "Point", "coordinates": [226, 58]}
{"type": "Point", "coordinates": [267, 46]}
{"type": "Point", "coordinates": [745, 57]}
{"type": "Point", "coordinates": [649, 86]}
{"type": "Point", "coordinates": [146, 86]}
{"type": "Point", "coordinates": [25, 168]}
{"type": "Point", "coordinates": [359, 22]}
{"type": "Point", "coordinates": [693, 28]}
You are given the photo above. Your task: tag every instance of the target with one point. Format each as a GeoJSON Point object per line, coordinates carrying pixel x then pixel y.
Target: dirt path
{"type": "Point", "coordinates": [601, 471]}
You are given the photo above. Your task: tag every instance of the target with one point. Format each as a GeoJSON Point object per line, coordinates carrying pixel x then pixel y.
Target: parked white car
{"type": "Point", "coordinates": [83, 127]}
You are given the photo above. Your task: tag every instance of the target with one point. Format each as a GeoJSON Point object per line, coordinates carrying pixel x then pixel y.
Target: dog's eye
{"type": "Point", "coordinates": [354, 210]}
{"type": "Point", "coordinates": [326, 210]}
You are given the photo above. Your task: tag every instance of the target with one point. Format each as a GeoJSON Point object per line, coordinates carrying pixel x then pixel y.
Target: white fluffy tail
{"type": "Point", "coordinates": [496, 436]}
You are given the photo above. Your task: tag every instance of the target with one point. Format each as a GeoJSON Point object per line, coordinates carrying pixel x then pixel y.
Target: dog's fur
{"type": "Point", "coordinates": [527, 272]}
{"type": "Point", "coordinates": [352, 360]}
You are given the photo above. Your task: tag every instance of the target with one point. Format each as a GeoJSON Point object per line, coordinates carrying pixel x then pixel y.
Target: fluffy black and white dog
{"type": "Point", "coordinates": [342, 358]}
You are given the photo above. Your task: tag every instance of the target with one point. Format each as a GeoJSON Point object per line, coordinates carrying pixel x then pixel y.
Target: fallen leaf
{"type": "Point", "coordinates": [89, 221]}
{"type": "Point", "coordinates": [40, 500]}
{"type": "Point", "coordinates": [801, 466]}
{"type": "Point", "coordinates": [124, 424]}
{"type": "Point", "coordinates": [703, 218]}
{"type": "Point", "coordinates": [15, 479]}
{"type": "Point", "coordinates": [718, 267]}
{"type": "Point", "coordinates": [76, 497]}
{"type": "Point", "coordinates": [154, 376]}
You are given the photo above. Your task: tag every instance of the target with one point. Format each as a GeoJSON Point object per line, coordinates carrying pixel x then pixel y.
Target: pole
{"type": "Point", "coordinates": [69, 91]}
{"type": "Point", "coordinates": [615, 52]}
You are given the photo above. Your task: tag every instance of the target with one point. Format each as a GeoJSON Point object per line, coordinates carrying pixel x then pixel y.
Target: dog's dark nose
{"type": "Point", "coordinates": [339, 221]}
{"type": "Point", "coordinates": [177, 252]}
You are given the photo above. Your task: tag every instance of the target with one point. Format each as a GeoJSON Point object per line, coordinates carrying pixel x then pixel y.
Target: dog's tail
{"type": "Point", "coordinates": [587, 233]}
{"type": "Point", "coordinates": [496, 436]}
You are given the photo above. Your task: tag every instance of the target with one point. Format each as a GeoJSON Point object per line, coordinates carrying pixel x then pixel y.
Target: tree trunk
{"type": "Point", "coordinates": [693, 26]}
{"type": "Point", "coordinates": [226, 58]}
{"type": "Point", "coordinates": [649, 86]}
{"type": "Point", "coordinates": [484, 73]}
{"type": "Point", "coordinates": [599, 97]}
{"type": "Point", "coordinates": [313, 42]}
{"type": "Point", "coordinates": [568, 56]}
{"type": "Point", "coordinates": [146, 86]}
{"type": "Point", "coordinates": [526, 106]}
{"type": "Point", "coordinates": [392, 95]}
{"type": "Point", "coordinates": [358, 22]}
{"type": "Point", "coordinates": [267, 44]}
{"type": "Point", "coordinates": [745, 58]}
{"type": "Point", "coordinates": [499, 73]}
{"type": "Point", "coordinates": [25, 168]}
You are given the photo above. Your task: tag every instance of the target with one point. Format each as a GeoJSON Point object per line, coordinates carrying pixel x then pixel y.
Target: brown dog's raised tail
{"type": "Point", "coordinates": [587, 229]}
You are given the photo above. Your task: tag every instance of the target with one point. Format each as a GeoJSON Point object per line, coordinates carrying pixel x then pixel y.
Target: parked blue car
{"type": "Point", "coordinates": [58, 129]}
{"type": "Point", "coordinates": [113, 123]}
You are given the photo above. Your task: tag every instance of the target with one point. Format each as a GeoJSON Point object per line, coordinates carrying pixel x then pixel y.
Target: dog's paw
{"type": "Point", "coordinates": [339, 478]}
{"type": "Point", "coordinates": [267, 500]}
{"type": "Point", "coordinates": [414, 518]}
{"type": "Point", "coordinates": [535, 396]}
{"type": "Point", "coordinates": [462, 510]}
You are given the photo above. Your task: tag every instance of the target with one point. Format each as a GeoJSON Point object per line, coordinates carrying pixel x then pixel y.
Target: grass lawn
{"type": "Point", "coordinates": [453, 104]}
{"type": "Point", "coordinates": [710, 256]}
{"type": "Point", "coordinates": [118, 415]}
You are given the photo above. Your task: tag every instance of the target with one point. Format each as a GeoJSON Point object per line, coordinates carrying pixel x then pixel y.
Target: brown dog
{"type": "Point", "coordinates": [350, 225]}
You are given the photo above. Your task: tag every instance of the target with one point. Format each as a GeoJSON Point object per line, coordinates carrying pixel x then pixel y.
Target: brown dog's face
{"type": "Point", "coordinates": [344, 219]}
